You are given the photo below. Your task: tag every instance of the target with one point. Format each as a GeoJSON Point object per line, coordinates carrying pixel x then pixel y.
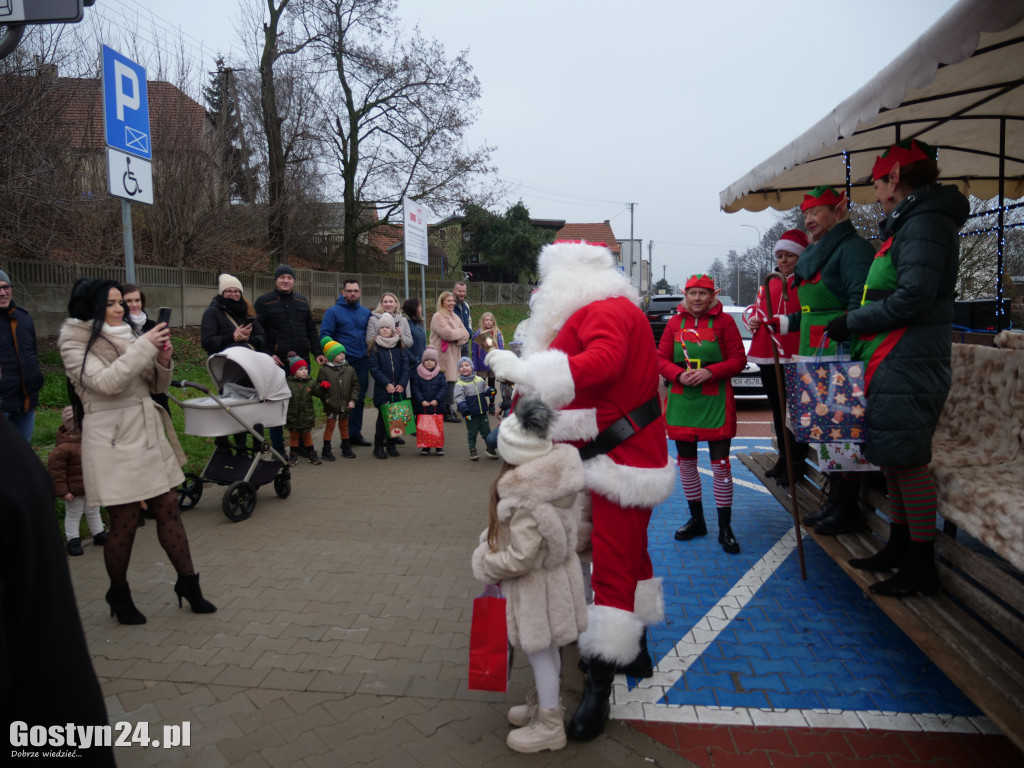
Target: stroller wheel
{"type": "Point", "coordinates": [239, 501]}
{"type": "Point", "coordinates": [190, 491]}
{"type": "Point", "coordinates": [283, 484]}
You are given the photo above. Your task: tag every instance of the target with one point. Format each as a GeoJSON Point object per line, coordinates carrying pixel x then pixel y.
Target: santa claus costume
{"type": "Point", "coordinates": [589, 351]}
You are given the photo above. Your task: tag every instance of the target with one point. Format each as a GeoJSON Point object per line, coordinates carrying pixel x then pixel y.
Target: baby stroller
{"type": "Point", "coordinates": [253, 394]}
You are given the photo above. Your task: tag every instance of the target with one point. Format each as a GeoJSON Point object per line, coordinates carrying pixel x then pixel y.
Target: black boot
{"type": "Point", "coordinates": [75, 547]}
{"type": "Point", "coordinates": [392, 451]}
{"type": "Point", "coordinates": [188, 587]}
{"type": "Point", "coordinates": [846, 517]}
{"type": "Point", "coordinates": [642, 665]}
{"type": "Point", "coordinates": [120, 601]}
{"type": "Point", "coordinates": [917, 573]}
{"type": "Point", "coordinates": [892, 552]}
{"type": "Point", "coordinates": [779, 468]}
{"type": "Point", "coordinates": [695, 526]}
{"type": "Point", "coordinates": [834, 490]}
{"type": "Point", "coordinates": [799, 465]}
{"type": "Point", "coordinates": [725, 534]}
{"type": "Point", "coordinates": [327, 454]}
{"type": "Point", "coordinates": [378, 449]}
{"type": "Point", "coordinates": [592, 714]}
{"type": "Point", "coordinates": [346, 449]}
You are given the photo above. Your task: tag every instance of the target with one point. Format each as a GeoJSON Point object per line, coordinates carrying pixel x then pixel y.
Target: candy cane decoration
{"type": "Point", "coordinates": [757, 311]}
{"type": "Point", "coordinates": [683, 331]}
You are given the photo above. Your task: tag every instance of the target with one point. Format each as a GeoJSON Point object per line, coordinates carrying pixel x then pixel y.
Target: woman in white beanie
{"type": "Point", "coordinates": [530, 548]}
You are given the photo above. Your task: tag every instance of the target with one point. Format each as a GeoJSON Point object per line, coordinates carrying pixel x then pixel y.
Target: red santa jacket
{"type": "Point", "coordinates": [603, 363]}
{"type": "Point", "coordinates": [761, 346]}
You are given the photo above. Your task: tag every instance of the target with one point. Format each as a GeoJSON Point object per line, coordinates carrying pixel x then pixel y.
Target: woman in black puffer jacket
{"type": "Point", "coordinates": [903, 334]}
{"type": "Point", "coordinates": [230, 321]}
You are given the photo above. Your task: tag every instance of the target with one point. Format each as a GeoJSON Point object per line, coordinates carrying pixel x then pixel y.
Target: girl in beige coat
{"type": "Point", "coordinates": [126, 455]}
{"type": "Point", "coordinates": [447, 335]}
{"type": "Point", "coordinates": [530, 547]}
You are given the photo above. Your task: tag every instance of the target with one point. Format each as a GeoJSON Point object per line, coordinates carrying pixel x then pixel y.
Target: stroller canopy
{"type": "Point", "coordinates": [236, 364]}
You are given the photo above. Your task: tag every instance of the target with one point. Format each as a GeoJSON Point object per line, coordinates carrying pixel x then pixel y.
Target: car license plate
{"type": "Point", "coordinates": [743, 382]}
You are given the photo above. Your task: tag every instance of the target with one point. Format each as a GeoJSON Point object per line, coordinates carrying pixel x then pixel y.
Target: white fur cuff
{"type": "Point", "coordinates": [550, 378]}
{"type": "Point", "coordinates": [783, 324]}
{"type": "Point", "coordinates": [577, 424]}
{"type": "Point", "coordinates": [612, 635]}
{"type": "Point", "coordinates": [649, 602]}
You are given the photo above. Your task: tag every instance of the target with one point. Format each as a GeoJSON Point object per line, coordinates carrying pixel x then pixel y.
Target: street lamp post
{"type": "Point", "coordinates": [749, 226]}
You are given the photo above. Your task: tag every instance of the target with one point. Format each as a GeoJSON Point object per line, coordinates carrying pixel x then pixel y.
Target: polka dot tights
{"type": "Point", "coordinates": [124, 520]}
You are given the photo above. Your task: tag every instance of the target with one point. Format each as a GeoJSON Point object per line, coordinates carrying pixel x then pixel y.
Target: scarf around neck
{"type": "Point", "coordinates": [380, 341]}
{"type": "Point", "coordinates": [426, 375]}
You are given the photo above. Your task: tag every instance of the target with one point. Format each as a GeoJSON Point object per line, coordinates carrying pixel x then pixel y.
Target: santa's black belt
{"type": "Point", "coordinates": [622, 430]}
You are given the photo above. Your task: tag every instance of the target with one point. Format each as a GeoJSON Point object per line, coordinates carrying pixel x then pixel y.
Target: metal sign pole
{"type": "Point", "coordinates": [129, 241]}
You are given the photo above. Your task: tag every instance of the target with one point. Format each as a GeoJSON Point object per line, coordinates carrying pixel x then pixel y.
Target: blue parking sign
{"type": "Point", "coordinates": [125, 105]}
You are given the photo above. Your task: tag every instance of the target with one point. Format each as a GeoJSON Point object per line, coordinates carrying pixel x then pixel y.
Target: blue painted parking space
{"type": "Point", "coordinates": [743, 632]}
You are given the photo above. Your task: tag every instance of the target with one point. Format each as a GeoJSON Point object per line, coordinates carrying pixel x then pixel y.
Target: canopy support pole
{"type": "Point", "coordinates": [1000, 233]}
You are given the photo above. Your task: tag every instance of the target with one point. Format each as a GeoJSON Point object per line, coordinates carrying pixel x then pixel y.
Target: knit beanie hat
{"type": "Point", "coordinates": [525, 435]}
{"type": "Point", "coordinates": [226, 281]}
{"type": "Point", "coordinates": [792, 241]}
{"type": "Point", "coordinates": [284, 269]}
{"type": "Point", "coordinates": [822, 195]}
{"type": "Point", "coordinates": [295, 362]}
{"type": "Point", "coordinates": [386, 321]}
{"type": "Point", "coordinates": [4, 278]}
{"type": "Point", "coordinates": [464, 360]}
{"type": "Point", "coordinates": [332, 348]}
{"type": "Point", "coordinates": [430, 353]}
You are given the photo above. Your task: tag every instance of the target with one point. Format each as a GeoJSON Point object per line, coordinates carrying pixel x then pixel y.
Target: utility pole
{"type": "Point", "coordinates": [650, 264]}
{"type": "Point", "coordinates": [631, 260]}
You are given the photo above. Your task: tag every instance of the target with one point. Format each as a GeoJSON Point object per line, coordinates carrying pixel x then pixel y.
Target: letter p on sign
{"type": "Point", "coordinates": [122, 99]}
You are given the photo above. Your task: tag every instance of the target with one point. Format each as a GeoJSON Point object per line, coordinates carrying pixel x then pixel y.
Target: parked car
{"type": "Point", "coordinates": [659, 308]}
{"type": "Point", "coordinates": [747, 385]}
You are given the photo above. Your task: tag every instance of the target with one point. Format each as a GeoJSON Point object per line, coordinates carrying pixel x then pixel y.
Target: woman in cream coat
{"type": "Point", "coordinates": [126, 455]}
{"type": "Point", "coordinates": [447, 335]}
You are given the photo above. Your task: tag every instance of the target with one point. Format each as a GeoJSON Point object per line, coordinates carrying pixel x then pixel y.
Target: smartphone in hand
{"type": "Point", "coordinates": [164, 316]}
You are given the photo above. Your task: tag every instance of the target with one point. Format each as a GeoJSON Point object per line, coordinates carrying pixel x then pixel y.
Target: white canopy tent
{"type": "Point", "coordinates": [960, 87]}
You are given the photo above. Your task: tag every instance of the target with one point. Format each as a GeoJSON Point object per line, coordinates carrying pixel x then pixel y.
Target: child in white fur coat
{"type": "Point", "coordinates": [530, 547]}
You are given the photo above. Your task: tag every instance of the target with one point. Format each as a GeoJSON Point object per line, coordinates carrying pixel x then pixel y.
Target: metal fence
{"type": "Point", "coordinates": [43, 288]}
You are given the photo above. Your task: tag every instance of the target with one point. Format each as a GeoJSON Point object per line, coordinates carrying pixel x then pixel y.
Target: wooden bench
{"type": "Point", "coordinates": [974, 630]}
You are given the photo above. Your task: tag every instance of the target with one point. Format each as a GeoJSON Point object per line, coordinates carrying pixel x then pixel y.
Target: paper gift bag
{"type": "Point", "coordinates": [429, 430]}
{"type": "Point", "coordinates": [826, 400]}
{"type": "Point", "coordinates": [398, 418]}
{"type": "Point", "coordinates": [488, 643]}
{"type": "Point", "coordinates": [841, 457]}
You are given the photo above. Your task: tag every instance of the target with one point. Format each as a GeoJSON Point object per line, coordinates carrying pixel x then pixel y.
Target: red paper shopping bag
{"type": "Point", "coordinates": [429, 430]}
{"type": "Point", "coordinates": [488, 643]}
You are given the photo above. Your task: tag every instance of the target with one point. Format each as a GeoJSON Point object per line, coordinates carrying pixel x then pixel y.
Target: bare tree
{"type": "Point", "coordinates": [395, 115]}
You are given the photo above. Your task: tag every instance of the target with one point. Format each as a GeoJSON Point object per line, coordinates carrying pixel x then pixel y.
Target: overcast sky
{"type": "Point", "coordinates": [594, 104]}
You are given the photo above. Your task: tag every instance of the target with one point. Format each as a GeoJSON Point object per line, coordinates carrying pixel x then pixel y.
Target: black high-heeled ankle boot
{"type": "Point", "coordinates": [120, 601]}
{"type": "Point", "coordinates": [188, 587]}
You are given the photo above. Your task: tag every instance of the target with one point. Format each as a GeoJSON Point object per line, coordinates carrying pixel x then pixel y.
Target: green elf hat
{"type": "Point", "coordinates": [332, 348]}
{"type": "Point", "coordinates": [823, 195]}
{"type": "Point", "coordinates": [905, 152]}
{"type": "Point", "coordinates": [700, 281]}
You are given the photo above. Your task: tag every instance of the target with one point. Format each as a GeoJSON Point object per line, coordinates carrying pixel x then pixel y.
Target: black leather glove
{"type": "Point", "coordinates": [837, 329]}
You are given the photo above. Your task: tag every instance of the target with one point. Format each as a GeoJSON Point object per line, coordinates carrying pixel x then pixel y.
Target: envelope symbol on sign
{"type": "Point", "coordinates": [137, 140]}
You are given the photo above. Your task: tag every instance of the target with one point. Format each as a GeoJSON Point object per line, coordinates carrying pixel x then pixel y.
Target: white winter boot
{"type": "Point", "coordinates": [545, 731]}
{"type": "Point", "coordinates": [522, 714]}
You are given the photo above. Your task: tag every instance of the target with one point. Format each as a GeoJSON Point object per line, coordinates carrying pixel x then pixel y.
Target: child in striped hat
{"type": "Point", "coordinates": [338, 387]}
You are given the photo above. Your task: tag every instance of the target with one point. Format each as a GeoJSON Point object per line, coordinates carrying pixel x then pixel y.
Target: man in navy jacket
{"type": "Point", "coordinates": [22, 379]}
{"type": "Point", "coordinates": [346, 323]}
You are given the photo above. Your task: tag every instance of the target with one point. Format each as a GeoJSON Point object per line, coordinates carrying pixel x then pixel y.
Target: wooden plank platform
{"type": "Point", "coordinates": [974, 631]}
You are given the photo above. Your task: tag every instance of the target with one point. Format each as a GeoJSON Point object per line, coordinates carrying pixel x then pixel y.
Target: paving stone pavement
{"type": "Point", "coordinates": [342, 630]}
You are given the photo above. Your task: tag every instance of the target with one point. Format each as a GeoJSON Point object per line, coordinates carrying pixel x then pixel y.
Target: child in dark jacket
{"type": "Point", "coordinates": [65, 466]}
{"type": "Point", "coordinates": [389, 367]}
{"type": "Point", "coordinates": [301, 416]}
{"type": "Point", "coordinates": [338, 387]}
{"type": "Point", "coordinates": [429, 390]}
{"type": "Point", "coordinates": [473, 398]}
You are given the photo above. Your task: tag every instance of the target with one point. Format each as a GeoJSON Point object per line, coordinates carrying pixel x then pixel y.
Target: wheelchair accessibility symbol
{"type": "Point", "coordinates": [129, 177]}
{"type": "Point", "coordinates": [130, 183]}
